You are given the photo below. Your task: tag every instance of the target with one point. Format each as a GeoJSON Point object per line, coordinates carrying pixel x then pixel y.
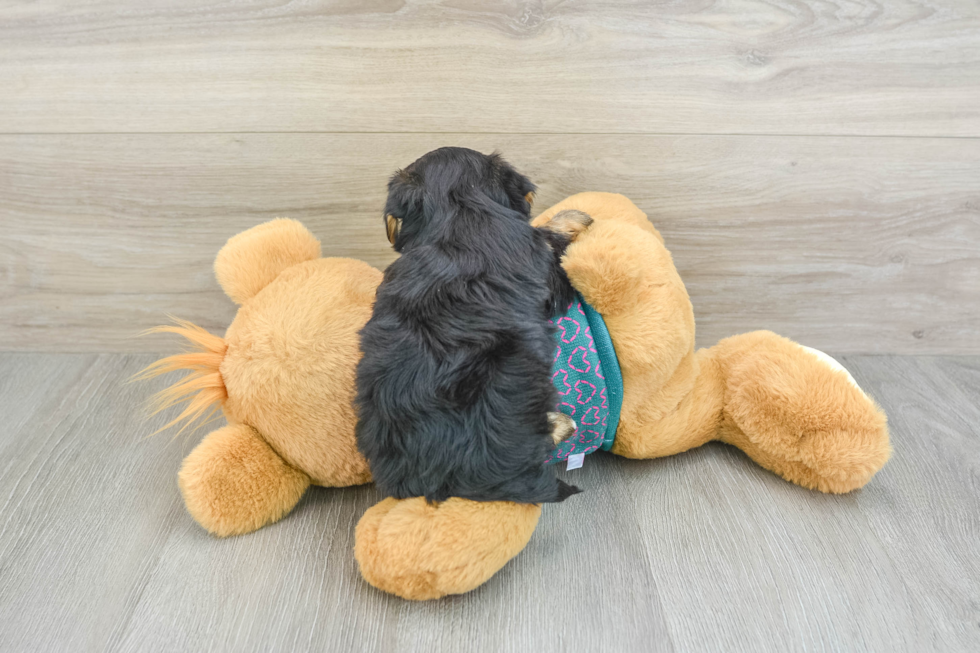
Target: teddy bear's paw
{"type": "Point", "coordinates": [234, 483]}
{"type": "Point", "coordinates": [804, 418]}
{"type": "Point", "coordinates": [419, 550]}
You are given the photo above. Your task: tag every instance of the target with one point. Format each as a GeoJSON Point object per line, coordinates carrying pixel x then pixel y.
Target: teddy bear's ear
{"type": "Point", "coordinates": [254, 258]}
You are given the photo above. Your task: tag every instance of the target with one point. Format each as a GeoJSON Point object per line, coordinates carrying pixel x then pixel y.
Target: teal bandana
{"type": "Point", "coordinates": [589, 383]}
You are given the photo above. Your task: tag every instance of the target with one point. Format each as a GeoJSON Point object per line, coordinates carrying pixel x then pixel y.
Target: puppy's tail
{"type": "Point", "coordinates": [203, 390]}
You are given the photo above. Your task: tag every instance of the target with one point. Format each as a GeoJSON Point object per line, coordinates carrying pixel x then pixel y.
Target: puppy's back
{"type": "Point", "coordinates": [454, 384]}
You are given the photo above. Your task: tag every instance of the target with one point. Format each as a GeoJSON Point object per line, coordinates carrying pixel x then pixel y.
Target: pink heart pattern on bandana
{"type": "Point", "coordinates": [577, 376]}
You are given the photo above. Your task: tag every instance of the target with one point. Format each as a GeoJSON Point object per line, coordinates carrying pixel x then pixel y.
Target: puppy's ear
{"type": "Point", "coordinates": [403, 204]}
{"type": "Point", "coordinates": [393, 226]}
{"type": "Point", "coordinates": [518, 188]}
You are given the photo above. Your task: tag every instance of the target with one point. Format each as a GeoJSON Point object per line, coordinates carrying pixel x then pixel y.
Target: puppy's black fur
{"type": "Point", "coordinates": [454, 386]}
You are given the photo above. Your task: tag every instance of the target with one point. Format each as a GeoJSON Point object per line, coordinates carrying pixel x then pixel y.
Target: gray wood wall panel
{"type": "Point", "coordinates": [859, 245]}
{"type": "Point", "coordinates": [901, 67]}
{"type": "Point", "coordinates": [814, 168]}
{"type": "Point", "coordinates": [701, 551]}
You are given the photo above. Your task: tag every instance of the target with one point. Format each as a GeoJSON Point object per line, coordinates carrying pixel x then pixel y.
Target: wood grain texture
{"type": "Point", "coordinates": [845, 244]}
{"type": "Point", "coordinates": [86, 504]}
{"type": "Point", "coordinates": [924, 506]}
{"type": "Point", "coordinates": [907, 67]}
{"type": "Point", "coordinates": [702, 551]}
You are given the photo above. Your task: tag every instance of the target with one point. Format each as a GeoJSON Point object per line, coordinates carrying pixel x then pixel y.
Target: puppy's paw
{"type": "Point", "coordinates": [562, 427]}
{"type": "Point", "coordinates": [570, 223]}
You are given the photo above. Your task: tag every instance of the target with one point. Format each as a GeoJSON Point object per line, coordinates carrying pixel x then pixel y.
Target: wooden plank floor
{"type": "Point", "coordinates": [702, 551]}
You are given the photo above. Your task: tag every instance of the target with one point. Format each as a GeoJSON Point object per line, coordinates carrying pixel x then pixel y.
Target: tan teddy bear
{"type": "Point", "coordinates": [284, 377]}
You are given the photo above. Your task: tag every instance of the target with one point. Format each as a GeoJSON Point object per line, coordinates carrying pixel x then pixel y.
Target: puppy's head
{"type": "Point", "coordinates": [433, 190]}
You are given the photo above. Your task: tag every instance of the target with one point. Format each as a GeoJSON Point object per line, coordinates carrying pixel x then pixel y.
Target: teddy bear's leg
{"type": "Point", "coordinates": [234, 483]}
{"type": "Point", "coordinates": [798, 415]}
{"type": "Point", "coordinates": [682, 413]}
{"type": "Point", "coordinates": [417, 550]}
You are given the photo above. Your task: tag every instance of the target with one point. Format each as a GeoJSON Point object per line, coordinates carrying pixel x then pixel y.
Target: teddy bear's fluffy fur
{"type": "Point", "coordinates": [284, 377]}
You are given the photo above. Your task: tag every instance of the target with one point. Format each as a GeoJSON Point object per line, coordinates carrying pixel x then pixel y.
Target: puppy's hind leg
{"type": "Point", "coordinates": [569, 223]}
{"type": "Point", "coordinates": [561, 231]}
{"type": "Point", "coordinates": [562, 427]}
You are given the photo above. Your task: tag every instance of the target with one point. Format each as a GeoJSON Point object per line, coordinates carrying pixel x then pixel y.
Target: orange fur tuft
{"type": "Point", "coordinates": [203, 390]}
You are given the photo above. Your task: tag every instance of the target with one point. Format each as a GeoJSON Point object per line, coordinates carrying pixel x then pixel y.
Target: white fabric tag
{"type": "Point", "coordinates": [575, 461]}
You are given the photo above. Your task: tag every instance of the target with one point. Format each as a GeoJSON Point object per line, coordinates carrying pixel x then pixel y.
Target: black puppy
{"type": "Point", "coordinates": [454, 387]}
